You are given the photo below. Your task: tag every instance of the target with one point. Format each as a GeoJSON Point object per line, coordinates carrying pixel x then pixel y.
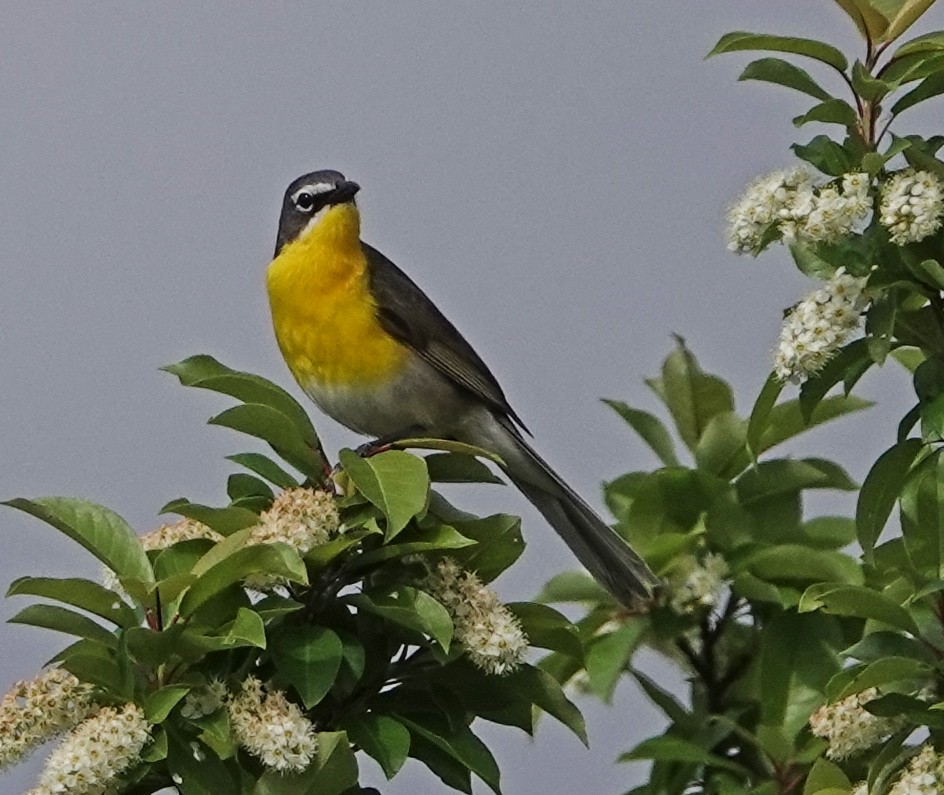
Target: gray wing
{"type": "Point", "coordinates": [406, 314]}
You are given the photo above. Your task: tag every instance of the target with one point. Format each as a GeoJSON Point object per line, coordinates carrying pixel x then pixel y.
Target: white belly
{"type": "Point", "coordinates": [418, 401]}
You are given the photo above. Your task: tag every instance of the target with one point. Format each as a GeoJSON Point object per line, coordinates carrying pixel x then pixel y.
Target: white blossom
{"type": "Point", "coordinates": [695, 584]}
{"type": "Point", "coordinates": [487, 630]}
{"type": "Point", "coordinates": [924, 775]}
{"type": "Point", "coordinates": [912, 206]}
{"type": "Point", "coordinates": [789, 206]}
{"type": "Point", "coordinates": [95, 752]}
{"type": "Point", "coordinates": [272, 728]}
{"type": "Point", "coordinates": [204, 701]}
{"type": "Point", "coordinates": [818, 326]}
{"type": "Point", "coordinates": [36, 710]}
{"type": "Point", "coordinates": [849, 727]}
{"type": "Point", "coordinates": [301, 517]}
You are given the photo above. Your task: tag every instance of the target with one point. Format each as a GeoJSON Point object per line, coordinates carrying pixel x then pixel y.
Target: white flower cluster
{"type": "Point", "coordinates": [34, 711]}
{"type": "Point", "coordinates": [95, 752]}
{"type": "Point", "coordinates": [487, 630]}
{"type": "Point", "coordinates": [923, 776]}
{"type": "Point", "coordinates": [849, 727]}
{"type": "Point", "coordinates": [789, 206]}
{"type": "Point", "coordinates": [204, 701]}
{"type": "Point", "coordinates": [272, 728]}
{"type": "Point", "coordinates": [185, 530]}
{"type": "Point", "coordinates": [862, 788]}
{"type": "Point", "coordinates": [301, 517]}
{"type": "Point", "coordinates": [818, 326]}
{"type": "Point", "coordinates": [912, 206]}
{"type": "Point", "coordinates": [695, 584]}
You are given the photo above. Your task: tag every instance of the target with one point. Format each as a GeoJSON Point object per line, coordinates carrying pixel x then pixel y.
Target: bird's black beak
{"type": "Point", "coordinates": [344, 192]}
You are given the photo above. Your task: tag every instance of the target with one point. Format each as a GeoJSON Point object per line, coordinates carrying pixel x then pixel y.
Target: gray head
{"type": "Point", "coordinates": [306, 197]}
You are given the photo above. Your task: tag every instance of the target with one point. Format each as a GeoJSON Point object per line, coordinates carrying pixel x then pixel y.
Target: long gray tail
{"type": "Point", "coordinates": [607, 557]}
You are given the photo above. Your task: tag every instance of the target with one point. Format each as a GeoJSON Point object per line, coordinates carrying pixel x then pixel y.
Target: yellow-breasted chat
{"type": "Point", "coordinates": [375, 354]}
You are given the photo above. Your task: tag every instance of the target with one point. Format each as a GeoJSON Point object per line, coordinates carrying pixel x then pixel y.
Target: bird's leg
{"type": "Point", "coordinates": [387, 441]}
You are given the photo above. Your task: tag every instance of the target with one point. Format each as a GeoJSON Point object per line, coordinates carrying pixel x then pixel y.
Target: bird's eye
{"type": "Point", "coordinates": [304, 201]}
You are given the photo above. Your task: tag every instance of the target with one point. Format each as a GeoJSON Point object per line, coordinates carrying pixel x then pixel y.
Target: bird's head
{"type": "Point", "coordinates": [311, 200]}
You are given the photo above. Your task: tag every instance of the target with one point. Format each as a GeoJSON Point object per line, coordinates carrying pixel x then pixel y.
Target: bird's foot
{"type": "Point", "coordinates": [374, 447]}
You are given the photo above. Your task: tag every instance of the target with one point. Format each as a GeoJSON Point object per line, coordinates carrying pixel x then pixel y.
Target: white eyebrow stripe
{"type": "Point", "coordinates": [314, 188]}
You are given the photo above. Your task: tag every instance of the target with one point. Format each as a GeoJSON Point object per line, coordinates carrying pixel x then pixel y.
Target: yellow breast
{"type": "Point", "coordinates": [324, 315]}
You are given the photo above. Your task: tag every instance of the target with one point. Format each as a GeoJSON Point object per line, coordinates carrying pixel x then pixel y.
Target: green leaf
{"type": "Point", "coordinates": [881, 490]}
{"type": "Point", "coordinates": [676, 749]}
{"type": "Point", "coordinates": [786, 420]}
{"type": "Point", "coordinates": [200, 773]}
{"type": "Point", "coordinates": [266, 467]}
{"type": "Point", "coordinates": [440, 537]}
{"type": "Point", "coordinates": [798, 562]}
{"type": "Point", "coordinates": [224, 521]}
{"type": "Point", "coordinates": [922, 516]}
{"type": "Point", "coordinates": [573, 586]}
{"type": "Point", "coordinates": [824, 776]}
{"type": "Point", "coordinates": [692, 396]}
{"type": "Point", "coordinates": [83, 594]}
{"type": "Point", "coordinates": [776, 70]}
{"type": "Point", "coordinates": [459, 468]}
{"type": "Point", "coordinates": [241, 486]}
{"type": "Point", "coordinates": [277, 560]}
{"type": "Point", "coordinates": [216, 732]}
{"type": "Point", "coordinates": [810, 263]}
{"type": "Point", "coordinates": [205, 372]}
{"type": "Point", "coordinates": [674, 710]}
{"type": "Point", "coordinates": [159, 703]}
{"type": "Point", "coordinates": [101, 531]}
{"type": "Point", "coordinates": [650, 428]}
{"type": "Point", "coordinates": [278, 430]}
{"type": "Point", "coordinates": [785, 475]}
{"type": "Point", "coordinates": [609, 656]}
{"type": "Point", "coordinates": [547, 629]}
{"type": "Point", "coordinates": [383, 738]}
{"type": "Point", "coordinates": [878, 645]}
{"type": "Point", "coordinates": [722, 448]}
{"type": "Point", "coordinates": [870, 22]}
{"type": "Point", "coordinates": [929, 42]}
{"type": "Point", "coordinates": [395, 481]}
{"type": "Point", "coordinates": [824, 153]}
{"type": "Point", "coordinates": [499, 544]}
{"type": "Point", "coordinates": [760, 414]}
{"type": "Point", "coordinates": [61, 619]}
{"type": "Point", "coordinates": [309, 658]}
{"type": "Point", "coordinates": [811, 48]}
{"type": "Point", "coordinates": [542, 690]}
{"type": "Point", "coordinates": [448, 446]}
{"type": "Point", "coordinates": [410, 608]}
{"type": "Point", "coordinates": [829, 532]}
{"type": "Point", "coordinates": [459, 743]}
{"type": "Point", "coordinates": [908, 13]}
{"type": "Point", "coordinates": [881, 672]}
{"type": "Point", "coordinates": [858, 601]}
{"type": "Point", "coordinates": [853, 358]}
{"type": "Point", "coordinates": [248, 629]}
{"type": "Point", "coordinates": [868, 87]}
{"type": "Point", "coordinates": [832, 111]}
{"type": "Point", "coordinates": [931, 86]}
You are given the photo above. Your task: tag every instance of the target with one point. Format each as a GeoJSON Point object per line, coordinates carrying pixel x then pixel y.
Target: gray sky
{"type": "Point", "coordinates": [553, 174]}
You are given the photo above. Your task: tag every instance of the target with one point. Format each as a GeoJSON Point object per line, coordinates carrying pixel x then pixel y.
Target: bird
{"type": "Point", "coordinates": [375, 354]}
